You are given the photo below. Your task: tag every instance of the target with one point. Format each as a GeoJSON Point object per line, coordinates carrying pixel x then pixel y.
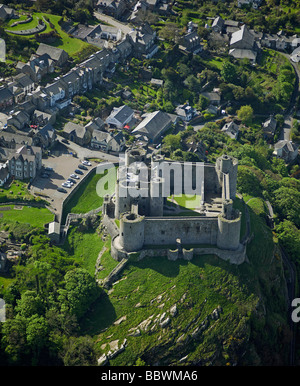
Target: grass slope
{"type": "Point", "coordinates": [250, 296]}
{"type": "Point", "coordinates": [35, 217]}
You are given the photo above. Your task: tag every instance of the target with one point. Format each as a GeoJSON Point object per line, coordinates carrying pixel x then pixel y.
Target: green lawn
{"type": "Point", "coordinates": [86, 198]}
{"type": "Point", "coordinates": [17, 189]}
{"type": "Point", "coordinates": [188, 201]}
{"type": "Point", "coordinates": [71, 45]}
{"type": "Point", "coordinates": [36, 217]}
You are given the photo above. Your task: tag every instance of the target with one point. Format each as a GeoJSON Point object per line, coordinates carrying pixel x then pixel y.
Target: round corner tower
{"type": "Point", "coordinates": [229, 226]}
{"type": "Point", "coordinates": [131, 231]}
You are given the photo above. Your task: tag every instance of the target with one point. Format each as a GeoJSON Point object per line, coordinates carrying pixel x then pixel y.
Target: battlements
{"type": "Point", "coordinates": [141, 204]}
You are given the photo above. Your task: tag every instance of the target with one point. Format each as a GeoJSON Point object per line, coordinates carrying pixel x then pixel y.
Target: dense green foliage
{"type": "Point", "coordinates": [49, 294]}
{"type": "Point", "coordinates": [58, 315]}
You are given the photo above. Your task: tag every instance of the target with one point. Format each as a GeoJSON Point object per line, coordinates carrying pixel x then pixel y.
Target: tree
{"type": "Point", "coordinates": [29, 304]}
{"type": "Point", "coordinates": [14, 338]}
{"type": "Point", "coordinates": [169, 108]}
{"type": "Point", "coordinates": [79, 352]}
{"type": "Point", "coordinates": [169, 32]}
{"type": "Point", "coordinates": [247, 182]}
{"type": "Point", "coordinates": [192, 83]}
{"type": "Point", "coordinates": [37, 335]}
{"type": "Point", "coordinates": [245, 114]}
{"type": "Point", "coordinates": [289, 236]}
{"type": "Point", "coordinates": [286, 203]}
{"type": "Point", "coordinates": [228, 72]}
{"type": "Point", "coordinates": [172, 142]}
{"type": "Point", "coordinates": [203, 102]}
{"type": "Point", "coordinates": [79, 292]}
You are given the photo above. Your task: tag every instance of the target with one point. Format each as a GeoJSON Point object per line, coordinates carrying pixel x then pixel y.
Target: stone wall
{"type": "Point", "coordinates": [238, 256]}
{"type": "Point", "coordinates": [191, 230]}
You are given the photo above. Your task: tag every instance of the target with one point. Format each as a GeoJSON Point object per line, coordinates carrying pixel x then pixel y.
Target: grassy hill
{"type": "Point", "coordinates": [205, 311]}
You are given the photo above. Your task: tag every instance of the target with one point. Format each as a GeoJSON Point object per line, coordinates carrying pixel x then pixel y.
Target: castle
{"type": "Point", "coordinates": [150, 225]}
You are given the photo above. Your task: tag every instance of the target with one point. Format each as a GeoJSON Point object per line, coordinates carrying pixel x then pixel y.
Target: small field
{"type": "Point", "coordinates": [16, 190]}
{"type": "Point", "coordinates": [35, 217]}
{"type": "Point", "coordinates": [86, 198]}
{"type": "Point", "coordinates": [188, 201]}
{"type": "Point", "coordinates": [71, 45]}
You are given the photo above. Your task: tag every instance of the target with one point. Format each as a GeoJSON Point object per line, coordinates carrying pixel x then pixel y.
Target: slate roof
{"type": "Point", "coordinates": [24, 80]}
{"type": "Point", "coordinates": [270, 124]}
{"type": "Point", "coordinates": [240, 53]}
{"type": "Point", "coordinates": [47, 132]}
{"type": "Point", "coordinates": [231, 129]}
{"type": "Point", "coordinates": [242, 35]}
{"type": "Point", "coordinates": [5, 94]}
{"type": "Point", "coordinates": [54, 52]}
{"type": "Point", "coordinates": [122, 113]}
{"type": "Point", "coordinates": [290, 146]}
{"type": "Point", "coordinates": [218, 22]}
{"type": "Point", "coordinates": [74, 127]}
{"type": "Point", "coordinates": [153, 124]}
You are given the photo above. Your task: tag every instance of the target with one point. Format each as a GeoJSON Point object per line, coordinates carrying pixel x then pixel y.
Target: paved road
{"type": "Point", "coordinates": [83, 152]}
{"type": "Point", "coordinates": [115, 23]}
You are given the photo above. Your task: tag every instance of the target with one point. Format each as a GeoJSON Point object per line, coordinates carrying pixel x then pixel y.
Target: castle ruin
{"type": "Point", "coordinates": [148, 222]}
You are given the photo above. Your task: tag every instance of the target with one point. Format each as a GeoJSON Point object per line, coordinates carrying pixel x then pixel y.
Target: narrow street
{"type": "Point", "coordinates": [115, 23]}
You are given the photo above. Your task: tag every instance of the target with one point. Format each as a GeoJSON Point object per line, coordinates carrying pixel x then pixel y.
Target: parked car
{"type": "Point", "coordinates": [85, 162]}
{"type": "Point", "coordinates": [48, 169]}
{"type": "Point", "coordinates": [71, 181]}
{"type": "Point", "coordinates": [62, 190]}
{"type": "Point", "coordinates": [82, 167]}
{"type": "Point", "coordinates": [66, 185]}
{"type": "Point", "coordinates": [77, 171]}
{"type": "Point", "coordinates": [74, 176]}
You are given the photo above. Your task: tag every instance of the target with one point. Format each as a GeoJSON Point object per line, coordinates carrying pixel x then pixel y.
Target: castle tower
{"type": "Point", "coordinates": [136, 154]}
{"type": "Point", "coordinates": [122, 199]}
{"type": "Point", "coordinates": [156, 197]}
{"type": "Point", "coordinates": [229, 226]}
{"type": "Point", "coordinates": [226, 168]}
{"type": "Point", "coordinates": [131, 231]}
